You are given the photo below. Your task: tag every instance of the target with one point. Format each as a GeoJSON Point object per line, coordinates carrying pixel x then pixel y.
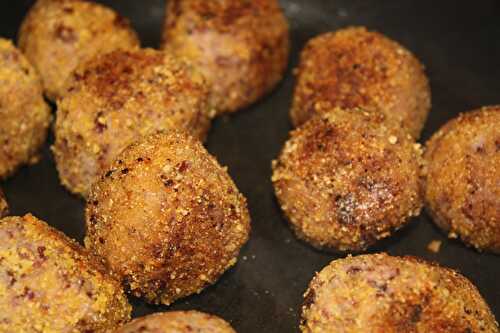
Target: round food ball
{"type": "Point", "coordinates": [49, 283]}
{"type": "Point", "coordinates": [58, 35]}
{"type": "Point", "coordinates": [346, 179]}
{"type": "Point", "coordinates": [24, 115]}
{"type": "Point", "coordinates": [240, 46]}
{"type": "Point", "coordinates": [4, 208]}
{"type": "Point", "coordinates": [354, 67]}
{"type": "Point", "coordinates": [166, 218]}
{"type": "Point", "coordinates": [115, 99]}
{"type": "Point", "coordinates": [380, 293]}
{"type": "Point", "coordinates": [462, 191]}
{"type": "Point", "coordinates": [177, 322]}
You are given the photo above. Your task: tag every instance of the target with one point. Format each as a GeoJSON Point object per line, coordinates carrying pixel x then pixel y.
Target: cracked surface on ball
{"type": "Point", "coordinates": [166, 218]}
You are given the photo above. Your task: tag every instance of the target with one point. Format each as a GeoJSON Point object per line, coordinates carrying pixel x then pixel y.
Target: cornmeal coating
{"type": "Point", "coordinates": [114, 100]}
{"type": "Point", "coordinates": [462, 190]}
{"type": "Point", "coordinates": [4, 208]}
{"type": "Point", "coordinates": [357, 68]}
{"type": "Point", "coordinates": [49, 283]}
{"type": "Point", "coordinates": [166, 218]}
{"type": "Point", "coordinates": [58, 35]}
{"type": "Point", "coordinates": [378, 293]}
{"type": "Point", "coordinates": [24, 115]}
{"type": "Point", "coordinates": [177, 322]}
{"type": "Point", "coordinates": [240, 46]}
{"type": "Point", "coordinates": [347, 178]}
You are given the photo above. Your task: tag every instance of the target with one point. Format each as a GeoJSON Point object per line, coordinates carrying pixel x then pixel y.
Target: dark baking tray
{"type": "Point", "coordinates": [456, 40]}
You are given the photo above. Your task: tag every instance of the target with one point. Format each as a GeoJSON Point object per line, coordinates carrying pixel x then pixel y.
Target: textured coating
{"type": "Point", "coordinates": [115, 99]}
{"type": "Point", "coordinates": [166, 218]}
{"type": "Point", "coordinates": [24, 115]}
{"type": "Point", "coordinates": [50, 284]}
{"type": "Point", "coordinates": [354, 67]}
{"type": "Point", "coordinates": [346, 179]}
{"type": "Point", "coordinates": [383, 294]}
{"type": "Point", "coordinates": [4, 208]}
{"type": "Point", "coordinates": [177, 322]}
{"type": "Point", "coordinates": [57, 35]}
{"type": "Point", "coordinates": [462, 191]}
{"type": "Point", "coordinates": [241, 46]}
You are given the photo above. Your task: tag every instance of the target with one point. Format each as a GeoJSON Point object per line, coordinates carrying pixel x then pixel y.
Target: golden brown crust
{"type": "Point", "coordinates": [49, 283]}
{"type": "Point", "coordinates": [177, 322]}
{"type": "Point", "coordinates": [346, 179]}
{"type": "Point", "coordinates": [379, 293]}
{"type": "Point", "coordinates": [166, 218]}
{"type": "Point", "coordinates": [4, 208]}
{"type": "Point", "coordinates": [117, 98]}
{"type": "Point", "coordinates": [57, 35]}
{"type": "Point", "coordinates": [354, 67]}
{"type": "Point", "coordinates": [240, 46]}
{"type": "Point", "coordinates": [462, 190]}
{"type": "Point", "coordinates": [24, 115]}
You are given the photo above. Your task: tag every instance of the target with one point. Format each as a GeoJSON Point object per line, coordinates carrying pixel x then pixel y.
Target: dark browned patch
{"type": "Point", "coordinates": [183, 166]}
{"type": "Point", "coordinates": [65, 34]}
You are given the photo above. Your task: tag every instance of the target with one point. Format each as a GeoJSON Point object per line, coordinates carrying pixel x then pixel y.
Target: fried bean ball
{"type": "Point", "coordinates": [381, 293]}
{"type": "Point", "coordinates": [24, 115]}
{"type": "Point", "coordinates": [177, 322]}
{"type": "Point", "coordinates": [346, 179]}
{"type": "Point", "coordinates": [354, 67]}
{"type": "Point", "coordinates": [4, 208]}
{"type": "Point", "coordinates": [240, 46]}
{"type": "Point", "coordinates": [166, 218]}
{"type": "Point", "coordinates": [115, 99]}
{"type": "Point", "coordinates": [49, 283]}
{"type": "Point", "coordinates": [57, 35]}
{"type": "Point", "coordinates": [462, 191]}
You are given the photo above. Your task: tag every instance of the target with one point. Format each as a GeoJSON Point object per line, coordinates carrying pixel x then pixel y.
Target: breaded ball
{"type": "Point", "coordinates": [354, 67]}
{"type": "Point", "coordinates": [346, 179]}
{"type": "Point", "coordinates": [462, 190]}
{"type": "Point", "coordinates": [177, 322]}
{"type": "Point", "coordinates": [166, 218]}
{"type": "Point", "coordinates": [4, 208]}
{"type": "Point", "coordinates": [57, 35]}
{"type": "Point", "coordinates": [115, 99]}
{"type": "Point", "coordinates": [381, 293]}
{"type": "Point", "coordinates": [49, 283]}
{"type": "Point", "coordinates": [240, 46]}
{"type": "Point", "coordinates": [24, 115]}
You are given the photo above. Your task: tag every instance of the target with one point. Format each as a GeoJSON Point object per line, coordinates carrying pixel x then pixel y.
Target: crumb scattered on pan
{"type": "Point", "coordinates": [434, 246]}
